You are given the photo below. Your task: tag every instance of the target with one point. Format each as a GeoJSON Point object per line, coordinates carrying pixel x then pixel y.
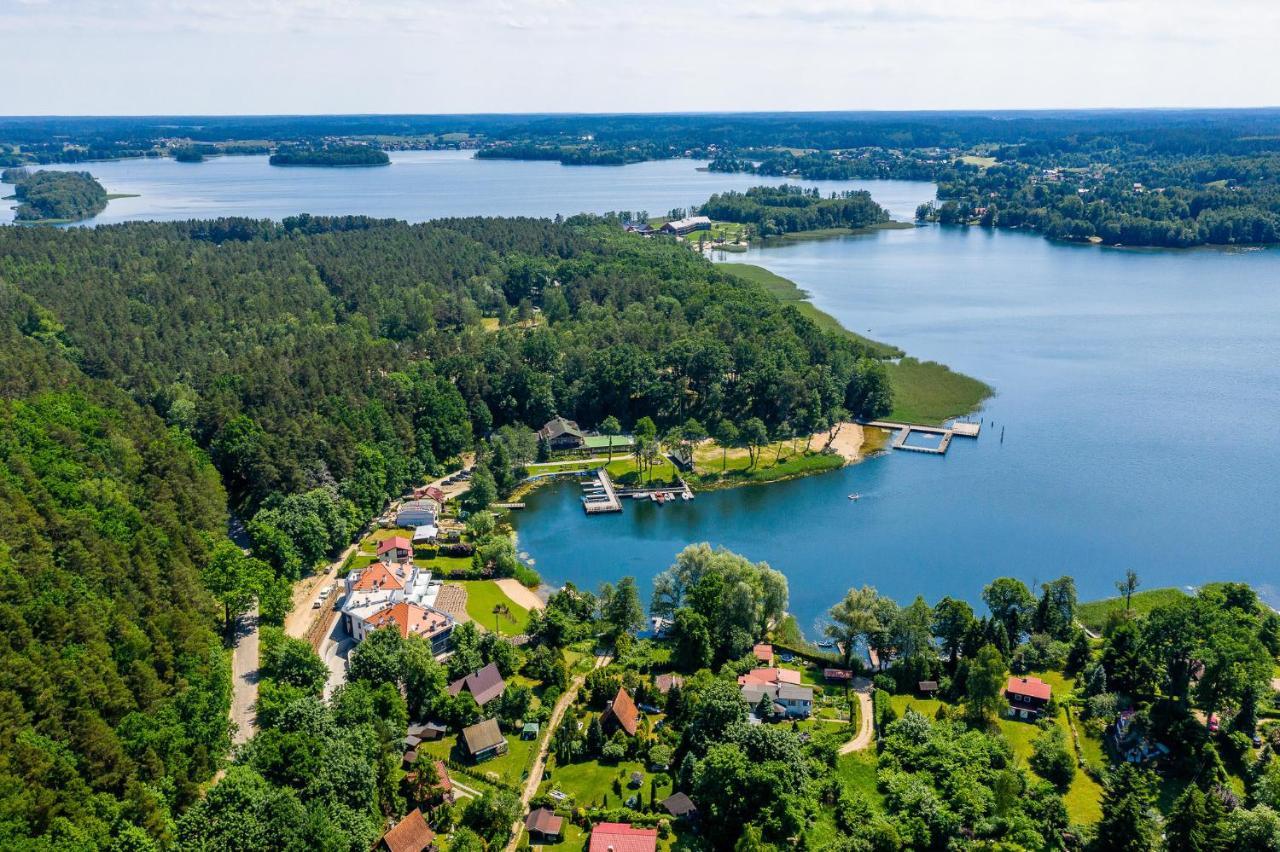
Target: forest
{"type": "Point", "coordinates": [329, 155]}
{"type": "Point", "coordinates": [776, 210]}
{"type": "Point", "coordinates": [55, 196]}
{"type": "Point", "coordinates": [158, 376]}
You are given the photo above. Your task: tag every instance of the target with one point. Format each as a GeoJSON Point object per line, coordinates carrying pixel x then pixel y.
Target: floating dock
{"type": "Point", "coordinates": [602, 497]}
{"type": "Point", "coordinates": [904, 430]}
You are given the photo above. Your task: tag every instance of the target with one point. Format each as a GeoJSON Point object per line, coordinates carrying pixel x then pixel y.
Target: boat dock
{"type": "Point", "coordinates": [904, 430]}
{"type": "Point", "coordinates": [599, 495]}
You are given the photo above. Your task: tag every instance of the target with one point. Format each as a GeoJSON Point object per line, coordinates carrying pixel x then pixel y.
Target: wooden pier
{"type": "Point", "coordinates": [904, 430]}
{"type": "Point", "coordinates": [602, 497]}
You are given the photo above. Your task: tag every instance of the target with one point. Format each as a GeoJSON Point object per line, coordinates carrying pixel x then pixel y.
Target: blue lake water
{"type": "Point", "coordinates": [1138, 391]}
{"type": "Point", "coordinates": [419, 185]}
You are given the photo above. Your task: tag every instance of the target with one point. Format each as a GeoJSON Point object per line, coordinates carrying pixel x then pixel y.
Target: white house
{"type": "Point", "coordinates": [378, 595]}
{"type": "Point", "coordinates": [417, 513]}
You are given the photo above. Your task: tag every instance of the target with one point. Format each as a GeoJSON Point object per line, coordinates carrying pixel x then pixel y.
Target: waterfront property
{"type": "Point", "coordinates": [787, 699]}
{"type": "Point", "coordinates": [562, 434]}
{"type": "Point", "coordinates": [687, 225]}
{"type": "Point", "coordinates": [944, 434]}
{"type": "Point", "coordinates": [395, 593]}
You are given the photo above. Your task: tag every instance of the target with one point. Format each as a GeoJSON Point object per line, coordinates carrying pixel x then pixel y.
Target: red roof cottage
{"type": "Point", "coordinates": [622, 713]}
{"type": "Point", "coordinates": [396, 549]}
{"type": "Point", "coordinates": [1027, 697]}
{"type": "Point", "coordinates": [410, 834]}
{"type": "Point", "coordinates": [622, 837]}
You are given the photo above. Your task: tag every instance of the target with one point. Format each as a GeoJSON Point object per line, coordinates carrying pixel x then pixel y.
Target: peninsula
{"type": "Point", "coordinates": [55, 196]}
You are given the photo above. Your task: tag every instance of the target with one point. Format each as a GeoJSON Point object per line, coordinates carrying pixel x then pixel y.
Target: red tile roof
{"type": "Point", "coordinates": [763, 652]}
{"type": "Point", "coordinates": [1032, 686]}
{"type": "Point", "coordinates": [410, 619]}
{"type": "Point", "coordinates": [396, 542]}
{"type": "Point", "coordinates": [377, 576]}
{"type": "Point", "coordinates": [622, 837]}
{"type": "Point", "coordinates": [435, 494]}
{"type": "Point", "coordinates": [770, 676]}
{"type": "Point", "coordinates": [410, 834]}
{"type": "Point", "coordinates": [623, 711]}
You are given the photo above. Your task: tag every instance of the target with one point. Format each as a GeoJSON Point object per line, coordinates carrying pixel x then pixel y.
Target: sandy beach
{"type": "Point", "coordinates": [847, 442]}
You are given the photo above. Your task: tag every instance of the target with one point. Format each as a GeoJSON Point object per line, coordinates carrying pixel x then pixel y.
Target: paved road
{"type": "Point", "coordinates": [866, 730]}
{"type": "Point", "coordinates": [540, 763]}
{"type": "Point", "coordinates": [334, 648]}
{"type": "Point", "coordinates": [244, 676]}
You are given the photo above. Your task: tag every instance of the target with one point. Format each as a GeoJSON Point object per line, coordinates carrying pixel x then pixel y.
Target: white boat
{"type": "Point", "coordinates": [855, 496]}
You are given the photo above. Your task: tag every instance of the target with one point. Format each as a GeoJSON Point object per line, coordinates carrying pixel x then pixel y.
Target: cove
{"type": "Point", "coordinates": [1138, 392]}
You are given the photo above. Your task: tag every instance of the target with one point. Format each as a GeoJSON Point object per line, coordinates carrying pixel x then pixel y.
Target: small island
{"type": "Point", "coordinates": [331, 155]}
{"type": "Point", "coordinates": [786, 209]}
{"type": "Point", "coordinates": [55, 197]}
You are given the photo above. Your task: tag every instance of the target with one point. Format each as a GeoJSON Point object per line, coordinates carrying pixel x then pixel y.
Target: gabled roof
{"type": "Point", "coordinates": [763, 652]}
{"type": "Point", "coordinates": [410, 834]}
{"type": "Point", "coordinates": [623, 711]}
{"type": "Point", "coordinates": [376, 576]}
{"type": "Point", "coordinates": [752, 691]}
{"type": "Point", "coordinates": [770, 676]}
{"type": "Point", "coordinates": [484, 684]}
{"type": "Point", "coordinates": [557, 426]}
{"type": "Point", "coordinates": [411, 619]}
{"type": "Point", "coordinates": [544, 821]}
{"type": "Point", "coordinates": [482, 736]}
{"type": "Point", "coordinates": [396, 542]}
{"type": "Point", "coordinates": [1030, 686]}
{"type": "Point", "coordinates": [679, 804]}
{"type": "Point", "coordinates": [622, 837]}
{"type": "Point", "coordinates": [664, 682]}
{"type": "Point", "coordinates": [435, 493]}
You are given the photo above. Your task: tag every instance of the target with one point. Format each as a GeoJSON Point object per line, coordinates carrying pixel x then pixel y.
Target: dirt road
{"type": "Point", "coordinates": [866, 730]}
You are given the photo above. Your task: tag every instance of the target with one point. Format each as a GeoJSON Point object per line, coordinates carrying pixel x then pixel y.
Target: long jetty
{"type": "Point", "coordinates": [602, 497]}
{"type": "Point", "coordinates": [904, 430]}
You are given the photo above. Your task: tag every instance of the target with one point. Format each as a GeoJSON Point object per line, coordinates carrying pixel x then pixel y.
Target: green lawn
{"type": "Point", "coordinates": [1093, 614]}
{"type": "Point", "coordinates": [483, 596]}
{"type": "Point", "coordinates": [927, 707]}
{"type": "Point", "coordinates": [509, 768]}
{"type": "Point", "coordinates": [857, 771]}
{"type": "Point", "coordinates": [591, 781]}
{"type": "Point", "coordinates": [929, 392]}
{"type": "Point", "coordinates": [708, 461]}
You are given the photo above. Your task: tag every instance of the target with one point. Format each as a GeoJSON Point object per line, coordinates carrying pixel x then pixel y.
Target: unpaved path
{"type": "Point", "coordinates": [866, 731]}
{"type": "Point", "coordinates": [520, 593]}
{"type": "Point", "coordinates": [540, 763]}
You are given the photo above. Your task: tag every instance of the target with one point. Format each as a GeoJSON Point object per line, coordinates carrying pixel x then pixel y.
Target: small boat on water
{"type": "Point", "coordinates": [855, 496]}
{"type": "Point", "coordinates": [688, 495]}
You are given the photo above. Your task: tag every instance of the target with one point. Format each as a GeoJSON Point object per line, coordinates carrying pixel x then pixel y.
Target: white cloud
{"type": "Point", "coordinates": [529, 55]}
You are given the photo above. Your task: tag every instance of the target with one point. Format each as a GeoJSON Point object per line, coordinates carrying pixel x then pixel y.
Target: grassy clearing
{"type": "Point", "coordinates": [929, 392]}
{"type": "Point", "coordinates": [483, 596]}
{"type": "Point", "coordinates": [857, 771]}
{"type": "Point", "coordinates": [591, 782]}
{"type": "Point", "coordinates": [786, 290]}
{"type": "Point", "coordinates": [1094, 614]}
{"type": "Point", "coordinates": [927, 707]}
{"type": "Point", "coordinates": [509, 768]}
{"type": "Point", "coordinates": [981, 162]}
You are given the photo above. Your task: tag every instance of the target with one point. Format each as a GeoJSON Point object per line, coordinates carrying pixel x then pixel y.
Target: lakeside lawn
{"type": "Point", "coordinates": [483, 596]}
{"type": "Point", "coordinates": [1094, 614]}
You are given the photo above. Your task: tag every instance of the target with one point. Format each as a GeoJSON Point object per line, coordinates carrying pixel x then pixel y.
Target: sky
{"type": "Point", "coordinates": [104, 57]}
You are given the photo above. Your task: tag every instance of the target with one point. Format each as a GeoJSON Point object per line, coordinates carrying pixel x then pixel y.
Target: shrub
{"type": "Point", "coordinates": [1052, 760]}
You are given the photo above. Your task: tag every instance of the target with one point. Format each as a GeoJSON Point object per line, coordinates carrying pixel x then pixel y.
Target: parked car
{"type": "Point", "coordinates": [316, 604]}
{"type": "Point", "coordinates": [1257, 740]}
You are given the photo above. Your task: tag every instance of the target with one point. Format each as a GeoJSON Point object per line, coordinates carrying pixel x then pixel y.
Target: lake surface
{"type": "Point", "coordinates": [1139, 397]}
{"type": "Point", "coordinates": [1138, 391]}
{"type": "Point", "coordinates": [420, 185]}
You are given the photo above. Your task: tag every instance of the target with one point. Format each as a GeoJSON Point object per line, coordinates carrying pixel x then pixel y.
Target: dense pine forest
{"type": "Point", "coordinates": [312, 368]}
{"type": "Point", "coordinates": [787, 209]}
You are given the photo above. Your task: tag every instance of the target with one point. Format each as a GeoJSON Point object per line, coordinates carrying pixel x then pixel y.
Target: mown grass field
{"type": "Point", "coordinates": [591, 781]}
{"type": "Point", "coordinates": [1094, 614]}
{"type": "Point", "coordinates": [483, 596]}
{"type": "Point", "coordinates": [509, 768]}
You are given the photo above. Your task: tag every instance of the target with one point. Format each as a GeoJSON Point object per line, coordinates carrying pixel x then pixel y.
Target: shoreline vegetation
{"type": "Point", "coordinates": [53, 197]}
{"type": "Point", "coordinates": [332, 156]}
{"type": "Point", "coordinates": [923, 391]}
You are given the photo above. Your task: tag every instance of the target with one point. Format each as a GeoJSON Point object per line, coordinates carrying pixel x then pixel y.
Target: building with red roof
{"type": "Point", "coordinates": [411, 834]}
{"type": "Point", "coordinates": [770, 676]}
{"type": "Point", "coordinates": [764, 653]}
{"type": "Point", "coordinates": [395, 549]}
{"type": "Point", "coordinates": [622, 837]}
{"type": "Point", "coordinates": [414, 620]}
{"type": "Point", "coordinates": [1027, 696]}
{"type": "Point", "coordinates": [622, 713]}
